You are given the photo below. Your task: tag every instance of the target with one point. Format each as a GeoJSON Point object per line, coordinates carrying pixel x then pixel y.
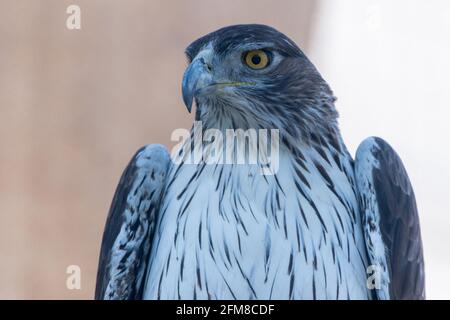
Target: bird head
{"type": "Point", "coordinates": [252, 76]}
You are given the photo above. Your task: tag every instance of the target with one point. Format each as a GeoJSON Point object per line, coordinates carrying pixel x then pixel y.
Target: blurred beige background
{"type": "Point", "coordinates": [75, 106]}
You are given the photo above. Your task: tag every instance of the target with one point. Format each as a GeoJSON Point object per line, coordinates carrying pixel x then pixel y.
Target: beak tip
{"type": "Point", "coordinates": [189, 107]}
{"type": "Point", "coordinates": [188, 100]}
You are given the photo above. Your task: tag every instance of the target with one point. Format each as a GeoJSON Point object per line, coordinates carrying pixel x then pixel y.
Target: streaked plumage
{"type": "Point", "coordinates": [390, 220]}
{"type": "Point", "coordinates": [224, 231]}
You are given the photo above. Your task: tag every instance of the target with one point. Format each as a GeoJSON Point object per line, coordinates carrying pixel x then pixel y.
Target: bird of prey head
{"type": "Point", "coordinates": [252, 76]}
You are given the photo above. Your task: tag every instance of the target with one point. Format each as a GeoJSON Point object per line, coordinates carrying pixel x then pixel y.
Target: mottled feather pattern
{"type": "Point", "coordinates": [365, 164]}
{"type": "Point", "coordinates": [130, 224]}
{"type": "Point", "coordinates": [392, 226]}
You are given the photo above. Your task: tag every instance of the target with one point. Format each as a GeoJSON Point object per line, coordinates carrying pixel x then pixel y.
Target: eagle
{"type": "Point", "coordinates": [321, 226]}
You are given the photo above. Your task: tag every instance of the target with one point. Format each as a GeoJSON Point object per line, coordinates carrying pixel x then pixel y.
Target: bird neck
{"type": "Point", "coordinates": [303, 120]}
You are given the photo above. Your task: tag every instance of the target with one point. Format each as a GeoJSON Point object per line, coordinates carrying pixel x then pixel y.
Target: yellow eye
{"type": "Point", "coordinates": [256, 59]}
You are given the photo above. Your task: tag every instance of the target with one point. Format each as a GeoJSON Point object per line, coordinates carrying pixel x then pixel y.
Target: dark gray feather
{"type": "Point", "coordinates": [130, 224]}
{"type": "Point", "coordinates": [398, 220]}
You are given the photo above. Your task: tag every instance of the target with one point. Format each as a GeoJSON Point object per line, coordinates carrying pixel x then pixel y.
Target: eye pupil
{"type": "Point", "coordinates": [256, 59]}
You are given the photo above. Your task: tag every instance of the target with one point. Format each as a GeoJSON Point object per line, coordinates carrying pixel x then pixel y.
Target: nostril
{"type": "Point", "coordinates": [206, 64]}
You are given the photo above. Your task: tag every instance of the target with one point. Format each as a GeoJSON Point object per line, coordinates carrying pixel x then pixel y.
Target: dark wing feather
{"type": "Point", "coordinates": [130, 224]}
{"type": "Point", "coordinates": [390, 215]}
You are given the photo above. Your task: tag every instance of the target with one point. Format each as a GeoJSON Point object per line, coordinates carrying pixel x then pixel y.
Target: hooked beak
{"type": "Point", "coordinates": [198, 78]}
{"type": "Point", "coordinates": [191, 78]}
